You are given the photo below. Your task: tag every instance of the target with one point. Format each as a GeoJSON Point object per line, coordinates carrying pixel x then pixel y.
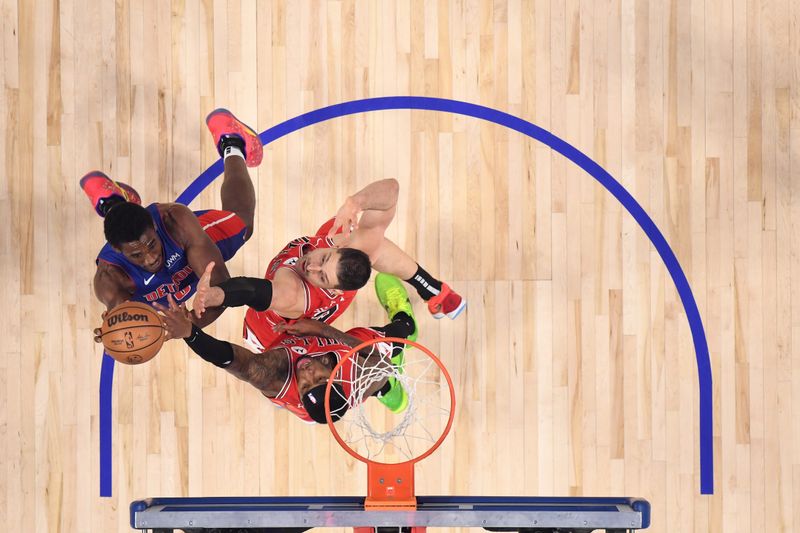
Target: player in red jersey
{"type": "Point", "coordinates": [317, 276]}
{"type": "Point", "coordinates": [295, 371]}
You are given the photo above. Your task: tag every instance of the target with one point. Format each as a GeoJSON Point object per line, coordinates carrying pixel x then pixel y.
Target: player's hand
{"type": "Point", "coordinates": [304, 326]}
{"type": "Point", "coordinates": [98, 332]}
{"type": "Point", "coordinates": [346, 218]}
{"type": "Point", "coordinates": [177, 322]}
{"type": "Point", "coordinates": [204, 294]}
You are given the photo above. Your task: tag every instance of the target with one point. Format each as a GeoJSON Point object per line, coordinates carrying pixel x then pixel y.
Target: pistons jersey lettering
{"type": "Point", "coordinates": [174, 288]}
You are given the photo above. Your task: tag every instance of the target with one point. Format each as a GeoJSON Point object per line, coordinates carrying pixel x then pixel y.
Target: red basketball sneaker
{"type": "Point", "coordinates": [226, 128]}
{"type": "Point", "coordinates": [446, 303]}
{"type": "Point", "coordinates": [101, 190]}
{"type": "Point", "coordinates": [130, 193]}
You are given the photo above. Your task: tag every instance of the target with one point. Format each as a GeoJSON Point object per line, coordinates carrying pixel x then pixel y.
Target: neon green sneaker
{"type": "Point", "coordinates": [396, 399]}
{"type": "Point", "coordinates": [394, 298]}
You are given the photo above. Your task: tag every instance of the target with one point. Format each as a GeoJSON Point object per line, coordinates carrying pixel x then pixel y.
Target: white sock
{"type": "Point", "coordinates": [232, 151]}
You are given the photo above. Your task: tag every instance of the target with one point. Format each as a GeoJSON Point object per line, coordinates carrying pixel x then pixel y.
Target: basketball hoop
{"type": "Point", "coordinates": [390, 485]}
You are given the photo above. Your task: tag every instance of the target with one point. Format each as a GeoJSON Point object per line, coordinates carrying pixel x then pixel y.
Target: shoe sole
{"type": "Point", "coordinates": [93, 174]}
{"type": "Point", "coordinates": [403, 404]}
{"type": "Point", "coordinates": [100, 175]}
{"type": "Point", "coordinates": [251, 160]}
{"type": "Point", "coordinates": [452, 314]}
{"type": "Point", "coordinates": [133, 196]}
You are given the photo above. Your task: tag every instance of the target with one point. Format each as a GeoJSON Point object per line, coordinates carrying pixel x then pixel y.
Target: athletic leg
{"type": "Point", "coordinates": [442, 300]}
{"type": "Point", "coordinates": [237, 192]}
{"type": "Point", "coordinates": [240, 147]}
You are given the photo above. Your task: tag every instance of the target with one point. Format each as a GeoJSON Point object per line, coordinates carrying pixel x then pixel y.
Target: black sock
{"type": "Point", "coordinates": [231, 139]}
{"type": "Point", "coordinates": [107, 203]}
{"type": "Point", "coordinates": [427, 286]}
{"type": "Point", "coordinates": [402, 326]}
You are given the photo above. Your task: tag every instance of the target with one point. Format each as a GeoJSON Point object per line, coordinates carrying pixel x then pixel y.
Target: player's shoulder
{"type": "Point", "coordinates": [179, 221]}
{"type": "Point", "coordinates": [173, 210]}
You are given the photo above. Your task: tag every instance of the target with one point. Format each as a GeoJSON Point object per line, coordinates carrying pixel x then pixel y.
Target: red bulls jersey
{"type": "Point", "coordinates": [320, 304]}
{"type": "Point", "coordinates": [297, 347]}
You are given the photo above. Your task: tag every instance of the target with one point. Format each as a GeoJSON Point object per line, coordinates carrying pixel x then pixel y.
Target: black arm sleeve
{"type": "Point", "coordinates": [212, 350]}
{"type": "Point", "coordinates": [402, 326]}
{"type": "Point", "coordinates": [239, 291]}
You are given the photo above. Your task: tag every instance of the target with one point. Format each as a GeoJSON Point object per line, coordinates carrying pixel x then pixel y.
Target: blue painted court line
{"type": "Point", "coordinates": [537, 133]}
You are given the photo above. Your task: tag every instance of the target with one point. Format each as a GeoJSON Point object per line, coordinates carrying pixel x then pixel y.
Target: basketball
{"type": "Point", "coordinates": [132, 333]}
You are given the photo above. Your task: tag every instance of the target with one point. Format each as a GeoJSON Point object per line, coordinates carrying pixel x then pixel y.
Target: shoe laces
{"type": "Point", "coordinates": [394, 298]}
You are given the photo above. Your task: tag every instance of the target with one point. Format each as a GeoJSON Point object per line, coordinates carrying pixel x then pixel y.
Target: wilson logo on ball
{"type": "Point", "coordinates": [126, 317]}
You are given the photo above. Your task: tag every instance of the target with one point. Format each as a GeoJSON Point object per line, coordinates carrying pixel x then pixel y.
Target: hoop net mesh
{"type": "Point", "coordinates": [373, 431]}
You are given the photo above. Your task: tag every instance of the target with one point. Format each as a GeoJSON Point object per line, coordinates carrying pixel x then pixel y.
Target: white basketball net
{"type": "Point", "coordinates": [372, 430]}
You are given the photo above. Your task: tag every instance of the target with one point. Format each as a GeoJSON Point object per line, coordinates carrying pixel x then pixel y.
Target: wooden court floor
{"type": "Point", "coordinates": [574, 364]}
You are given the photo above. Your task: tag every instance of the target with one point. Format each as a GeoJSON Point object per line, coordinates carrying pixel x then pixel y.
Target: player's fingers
{"type": "Point", "coordinates": [208, 270]}
{"type": "Point", "coordinates": [160, 307]}
{"type": "Point", "coordinates": [334, 228]}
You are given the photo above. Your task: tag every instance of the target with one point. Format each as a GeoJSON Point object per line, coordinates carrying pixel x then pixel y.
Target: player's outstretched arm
{"type": "Point", "coordinates": [200, 250]}
{"type": "Point", "coordinates": [260, 294]}
{"type": "Point", "coordinates": [308, 327]}
{"type": "Point", "coordinates": [260, 370]}
{"type": "Point", "coordinates": [364, 217]}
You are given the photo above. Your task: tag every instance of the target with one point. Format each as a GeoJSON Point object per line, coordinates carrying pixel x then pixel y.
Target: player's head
{"type": "Point", "coordinates": [346, 269]}
{"type": "Point", "coordinates": [312, 374]}
{"type": "Point", "coordinates": [129, 229]}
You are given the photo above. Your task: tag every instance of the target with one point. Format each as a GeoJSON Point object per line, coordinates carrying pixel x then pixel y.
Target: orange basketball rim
{"type": "Point", "coordinates": [390, 486]}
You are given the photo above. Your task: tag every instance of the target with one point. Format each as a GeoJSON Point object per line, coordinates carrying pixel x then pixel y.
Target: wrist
{"type": "Point", "coordinates": [215, 297]}
{"type": "Point", "coordinates": [191, 335]}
